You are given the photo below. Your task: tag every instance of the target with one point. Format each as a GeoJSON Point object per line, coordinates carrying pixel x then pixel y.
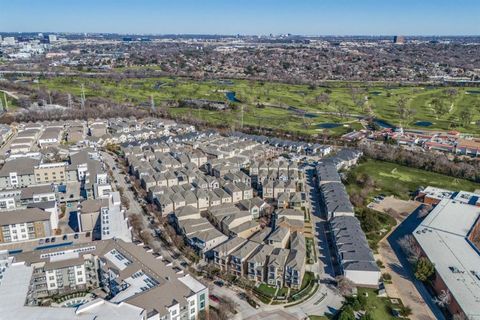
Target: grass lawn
{"type": "Point", "coordinates": [282, 292]}
{"type": "Point", "coordinates": [397, 180]}
{"type": "Point", "coordinates": [401, 181]}
{"type": "Point", "coordinates": [380, 308]}
{"type": "Point", "coordinates": [11, 103]}
{"type": "Point", "coordinates": [276, 98]}
{"type": "Point", "coordinates": [266, 290]}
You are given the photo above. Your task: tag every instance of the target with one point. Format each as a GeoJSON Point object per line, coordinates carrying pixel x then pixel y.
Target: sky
{"type": "Point", "coordinates": [250, 17]}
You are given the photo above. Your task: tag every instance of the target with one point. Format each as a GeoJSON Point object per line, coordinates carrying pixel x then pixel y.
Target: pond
{"type": "Point", "coordinates": [383, 124]}
{"type": "Point", "coordinates": [473, 91]}
{"type": "Point", "coordinates": [310, 115]}
{"type": "Point", "coordinates": [329, 125]}
{"type": "Point", "coordinates": [231, 96]}
{"type": "Point", "coordinates": [423, 123]}
{"type": "Point", "coordinates": [376, 93]}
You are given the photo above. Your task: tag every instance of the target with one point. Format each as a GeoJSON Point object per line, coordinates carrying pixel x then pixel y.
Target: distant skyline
{"type": "Point", "coordinates": [246, 17]}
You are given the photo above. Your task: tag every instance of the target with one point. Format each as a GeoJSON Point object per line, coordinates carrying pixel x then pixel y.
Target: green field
{"type": "Point", "coordinates": [12, 103]}
{"type": "Point", "coordinates": [401, 181]}
{"type": "Point", "coordinates": [275, 98]}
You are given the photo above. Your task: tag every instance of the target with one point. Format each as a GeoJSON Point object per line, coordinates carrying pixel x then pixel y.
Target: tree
{"type": "Point", "coordinates": [345, 285]}
{"type": "Point", "coordinates": [405, 311]}
{"type": "Point", "coordinates": [443, 299]}
{"type": "Point", "coordinates": [342, 109]}
{"type": "Point", "coordinates": [424, 210]}
{"type": "Point", "coordinates": [405, 112]}
{"type": "Point", "coordinates": [465, 116]}
{"type": "Point", "coordinates": [424, 269]}
{"type": "Point", "coordinates": [366, 316]}
{"type": "Point", "coordinates": [410, 248]}
{"type": "Point", "coordinates": [346, 314]}
{"type": "Point", "coordinates": [439, 106]}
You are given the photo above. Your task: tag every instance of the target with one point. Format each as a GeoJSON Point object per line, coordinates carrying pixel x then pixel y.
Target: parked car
{"type": "Point", "coordinates": [75, 236]}
{"type": "Point", "coordinates": [47, 240]}
{"type": "Point", "coordinates": [214, 298]}
{"type": "Point", "coordinates": [64, 237]}
{"type": "Point", "coordinates": [218, 283]}
{"type": "Point", "coordinates": [41, 241]}
{"type": "Point", "coordinates": [53, 239]}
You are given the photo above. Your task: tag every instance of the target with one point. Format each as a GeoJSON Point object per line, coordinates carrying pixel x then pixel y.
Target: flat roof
{"type": "Point", "coordinates": [443, 238]}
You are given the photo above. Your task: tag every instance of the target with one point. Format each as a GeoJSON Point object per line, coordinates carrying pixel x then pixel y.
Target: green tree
{"type": "Point", "coordinates": [465, 116]}
{"type": "Point", "coordinates": [366, 316]}
{"type": "Point", "coordinates": [424, 269]}
{"type": "Point", "coordinates": [439, 106]}
{"type": "Point", "coordinates": [405, 111]}
{"type": "Point", "coordinates": [347, 314]}
{"type": "Point", "coordinates": [405, 311]}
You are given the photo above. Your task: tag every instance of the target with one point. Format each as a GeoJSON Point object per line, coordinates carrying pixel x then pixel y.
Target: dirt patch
{"type": "Point", "coordinates": [397, 208]}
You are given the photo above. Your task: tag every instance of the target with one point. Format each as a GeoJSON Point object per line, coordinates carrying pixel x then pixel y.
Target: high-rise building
{"type": "Point", "coordinates": [399, 39]}
{"type": "Point", "coordinates": [52, 38]}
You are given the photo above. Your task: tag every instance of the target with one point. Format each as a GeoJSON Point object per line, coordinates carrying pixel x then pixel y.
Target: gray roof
{"type": "Point", "coordinates": [245, 250]}
{"type": "Point", "coordinates": [351, 244]}
{"type": "Point", "coordinates": [23, 216]}
{"type": "Point", "coordinates": [21, 166]}
{"type": "Point", "coordinates": [336, 198]}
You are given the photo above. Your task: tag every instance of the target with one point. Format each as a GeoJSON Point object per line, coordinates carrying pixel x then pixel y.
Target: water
{"type": "Point", "coordinates": [310, 115]}
{"type": "Point", "coordinates": [231, 96]}
{"type": "Point", "coordinates": [376, 93]}
{"type": "Point", "coordinates": [473, 91]}
{"type": "Point", "coordinates": [423, 123]}
{"type": "Point", "coordinates": [383, 124]}
{"type": "Point", "coordinates": [329, 125]}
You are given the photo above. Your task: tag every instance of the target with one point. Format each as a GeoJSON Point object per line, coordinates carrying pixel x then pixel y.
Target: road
{"type": "Point", "coordinates": [6, 145]}
{"type": "Point", "coordinates": [412, 292]}
{"type": "Point", "coordinates": [325, 300]}
{"type": "Point", "coordinates": [169, 253]}
{"type": "Point", "coordinates": [10, 94]}
{"type": "Point", "coordinates": [325, 265]}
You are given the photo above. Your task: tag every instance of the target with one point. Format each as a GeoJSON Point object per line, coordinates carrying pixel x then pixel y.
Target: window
{"type": "Point", "coordinates": [51, 278]}
{"type": "Point", "coordinates": [79, 273]}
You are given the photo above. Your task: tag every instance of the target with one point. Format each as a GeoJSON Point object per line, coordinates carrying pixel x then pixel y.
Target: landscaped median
{"type": "Point", "coordinates": [311, 253]}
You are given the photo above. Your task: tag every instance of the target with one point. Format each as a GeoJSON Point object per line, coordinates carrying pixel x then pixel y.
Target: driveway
{"type": "Point", "coordinates": [411, 291]}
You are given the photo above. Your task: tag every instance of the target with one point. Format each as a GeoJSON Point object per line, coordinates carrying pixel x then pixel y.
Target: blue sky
{"type": "Point", "coordinates": [309, 17]}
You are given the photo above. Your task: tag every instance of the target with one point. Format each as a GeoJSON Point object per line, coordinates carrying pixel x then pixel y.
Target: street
{"type": "Point", "coordinates": [168, 253]}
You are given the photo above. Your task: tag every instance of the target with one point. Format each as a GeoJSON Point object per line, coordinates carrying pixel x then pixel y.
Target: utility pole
{"type": "Point", "coordinates": [241, 108]}
{"type": "Point", "coordinates": [6, 102]}
{"type": "Point", "coordinates": [82, 98]}
{"type": "Point", "coordinates": [152, 103]}
{"type": "Point", "coordinates": [69, 101]}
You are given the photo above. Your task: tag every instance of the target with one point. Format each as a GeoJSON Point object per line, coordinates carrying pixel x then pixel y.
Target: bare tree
{"type": "Point", "coordinates": [410, 248]}
{"type": "Point", "coordinates": [424, 210]}
{"type": "Point", "coordinates": [443, 299]}
{"type": "Point", "coordinates": [345, 285]}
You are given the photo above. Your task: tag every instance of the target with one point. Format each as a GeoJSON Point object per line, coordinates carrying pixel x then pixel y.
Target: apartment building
{"type": "Point", "coordinates": [46, 173]}
{"type": "Point", "coordinates": [138, 285]}
{"type": "Point", "coordinates": [24, 224]}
